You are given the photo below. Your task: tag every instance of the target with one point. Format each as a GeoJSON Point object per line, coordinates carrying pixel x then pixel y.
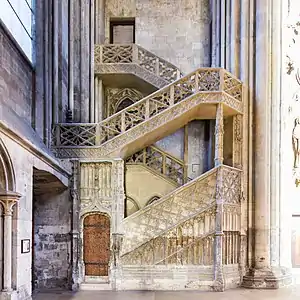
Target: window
{"type": "Point", "coordinates": [17, 16]}
{"type": "Point", "coordinates": [122, 31]}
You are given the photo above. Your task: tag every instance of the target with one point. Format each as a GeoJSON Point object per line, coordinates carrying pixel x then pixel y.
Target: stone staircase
{"type": "Point", "coordinates": [190, 238]}
{"type": "Point", "coordinates": [179, 234]}
{"type": "Point", "coordinates": [161, 162]}
{"type": "Point", "coordinates": [195, 95]}
{"type": "Point", "coordinates": [132, 59]}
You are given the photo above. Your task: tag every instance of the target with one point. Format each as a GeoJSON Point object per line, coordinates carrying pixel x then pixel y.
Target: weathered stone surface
{"type": "Point", "coordinates": [51, 221]}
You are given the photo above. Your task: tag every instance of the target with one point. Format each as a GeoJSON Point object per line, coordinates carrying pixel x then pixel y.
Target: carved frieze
{"type": "Point", "coordinates": [96, 186]}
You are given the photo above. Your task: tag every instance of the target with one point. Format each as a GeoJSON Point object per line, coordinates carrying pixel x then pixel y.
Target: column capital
{"type": "Point", "coordinates": [8, 199]}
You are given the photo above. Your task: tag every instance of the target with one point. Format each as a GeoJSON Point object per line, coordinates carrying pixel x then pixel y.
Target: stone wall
{"type": "Point", "coordinates": [63, 54]}
{"type": "Point", "coordinates": [118, 9]}
{"type": "Point", "coordinates": [198, 148]}
{"type": "Point", "coordinates": [52, 248]}
{"type": "Point", "coordinates": [140, 182]}
{"type": "Point", "coordinates": [173, 144]}
{"type": "Point", "coordinates": [23, 161]}
{"type": "Point", "coordinates": [16, 77]}
{"type": "Point", "coordinates": [178, 31]}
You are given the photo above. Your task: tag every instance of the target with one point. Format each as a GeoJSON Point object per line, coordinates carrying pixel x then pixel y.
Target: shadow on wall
{"type": "Point", "coordinates": [51, 267]}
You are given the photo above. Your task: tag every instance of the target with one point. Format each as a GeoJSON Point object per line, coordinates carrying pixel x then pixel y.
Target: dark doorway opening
{"type": "Point", "coordinates": [122, 31]}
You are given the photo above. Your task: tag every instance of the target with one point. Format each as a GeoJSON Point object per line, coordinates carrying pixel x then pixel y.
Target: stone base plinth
{"type": "Point", "coordinates": [13, 295]}
{"type": "Point", "coordinates": [267, 278]}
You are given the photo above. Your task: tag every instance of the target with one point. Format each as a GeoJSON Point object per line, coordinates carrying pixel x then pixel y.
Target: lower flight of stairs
{"type": "Point", "coordinates": [172, 243]}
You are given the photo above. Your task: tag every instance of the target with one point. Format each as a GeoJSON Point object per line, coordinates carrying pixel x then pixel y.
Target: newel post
{"type": "Point", "coordinates": [219, 282]}
{"type": "Point", "coordinates": [219, 136]}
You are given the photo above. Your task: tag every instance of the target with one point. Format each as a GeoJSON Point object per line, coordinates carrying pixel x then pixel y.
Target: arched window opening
{"type": "Point", "coordinates": [123, 104]}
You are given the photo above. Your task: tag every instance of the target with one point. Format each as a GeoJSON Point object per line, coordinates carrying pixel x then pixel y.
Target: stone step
{"type": "Point", "coordinates": [93, 286]}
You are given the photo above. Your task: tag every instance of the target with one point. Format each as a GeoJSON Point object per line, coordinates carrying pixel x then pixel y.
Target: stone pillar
{"type": "Point", "coordinates": [262, 274]}
{"type": "Point", "coordinates": [99, 99]}
{"type": "Point", "coordinates": [85, 55]}
{"type": "Point", "coordinates": [70, 113]}
{"type": "Point", "coordinates": [55, 42]}
{"type": "Point", "coordinates": [118, 216]}
{"type": "Point", "coordinates": [219, 136]}
{"type": "Point", "coordinates": [92, 76]}
{"type": "Point", "coordinates": [100, 22]}
{"type": "Point", "coordinates": [75, 226]}
{"type": "Point", "coordinates": [219, 283]}
{"type": "Point", "coordinates": [8, 200]}
{"type": "Point", "coordinates": [237, 141]}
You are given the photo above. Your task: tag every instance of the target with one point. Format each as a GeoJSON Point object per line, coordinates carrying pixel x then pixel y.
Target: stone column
{"type": "Point", "coordinates": [118, 216]}
{"type": "Point", "coordinates": [100, 22]}
{"type": "Point", "coordinates": [99, 99]}
{"type": "Point", "coordinates": [219, 136]}
{"type": "Point", "coordinates": [70, 113]}
{"type": "Point", "coordinates": [8, 200]}
{"type": "Point", "coordinates": [262, 275]}
{"type": "Point", "coordinates": [219, 284]}
{"type": "Point", "coordinates": [92, 76]}
{"type": "Point", "coordinates": [237, 141]}
{"type": "Point", "coordinates": [75, 226]}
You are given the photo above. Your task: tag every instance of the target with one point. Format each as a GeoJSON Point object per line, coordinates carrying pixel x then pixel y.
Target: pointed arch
{"type": "Point", "coordinates": [131, 206]}
{"type": "Point", "coordinates": [152, 199]}
{"type": "Point", "coordinates": [7, 175]}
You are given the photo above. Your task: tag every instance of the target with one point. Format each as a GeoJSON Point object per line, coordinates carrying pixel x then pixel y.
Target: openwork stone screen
{"type": "Point", "coordinates": [129, 54]}
{"type": "Point", "coordinates": [209, 85]}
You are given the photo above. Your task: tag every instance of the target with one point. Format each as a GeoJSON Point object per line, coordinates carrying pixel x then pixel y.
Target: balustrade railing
{"type": "Point", "coordinates": [128, 54]}
{"type": "Point", "coordinates": [231, 247]}
{"type": "Point", "coordinates": [161, 162]}
{"type": "Point", "coordinates": [203, 81]}
{"type": "Point", "coordinates": [191, 242]}
{"type": "Point", "coordinates": [186, 220]}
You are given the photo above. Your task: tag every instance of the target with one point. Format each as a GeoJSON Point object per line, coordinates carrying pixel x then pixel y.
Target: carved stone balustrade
{"type": "Point", "coordinates": [194, 96]}
{"type": "Point", "coordinates": [161, 162]}
{"type": "Point", "coordinates": [182, 228]}
{"type": "Point", "coordinates": [110, 59]}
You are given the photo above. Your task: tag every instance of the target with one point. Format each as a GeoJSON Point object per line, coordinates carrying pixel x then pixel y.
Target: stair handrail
{"type": "Point", "coordinates": [202, 237]}
{"type": "Point", "coordinates": [178, 190]}
{"type": "Point", "coordinates": [133, 53]}
{"type": "Point", "coordinates": [210, 206]}
{"type": "Point", "coordinates": [142, 158]}
{"type": "Point", "coordinates": [97, 134]}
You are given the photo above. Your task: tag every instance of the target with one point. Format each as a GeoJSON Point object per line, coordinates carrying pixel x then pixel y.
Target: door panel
{"type": "Point", "coordinates": [96, 236]}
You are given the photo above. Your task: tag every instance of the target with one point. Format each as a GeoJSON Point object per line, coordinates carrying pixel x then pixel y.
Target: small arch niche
{"type": "Point", "coordinates": [123, 104]}
{"type": "Point", "coordinates": [152, 200]}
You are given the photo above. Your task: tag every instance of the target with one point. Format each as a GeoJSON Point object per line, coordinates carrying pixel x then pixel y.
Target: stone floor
{"type": "Point", "coordinates": [292, 293]}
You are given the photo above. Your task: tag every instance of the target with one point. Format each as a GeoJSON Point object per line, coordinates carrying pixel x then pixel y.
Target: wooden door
{"type": "Point", "coordinates": [96, 248]}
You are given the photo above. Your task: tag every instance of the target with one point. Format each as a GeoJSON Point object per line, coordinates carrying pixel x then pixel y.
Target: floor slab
{"type": "Point", "coordinates": [291, 293]}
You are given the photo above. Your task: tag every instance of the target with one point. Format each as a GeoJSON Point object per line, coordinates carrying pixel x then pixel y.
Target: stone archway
{"type": "Point", "coordinates": [7, 176]}
{"type": "Point", "coordinates": [8, 198]}
{"type": "Point", "coordinates": [96, 244]}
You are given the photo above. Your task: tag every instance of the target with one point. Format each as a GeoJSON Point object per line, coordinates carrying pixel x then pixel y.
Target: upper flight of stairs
{"type": "Point", "coordinates": [161, 162]}
{"type": "Point", "coordinates": [152, 118]}
{"type": "Point", "coordinates": [132, 59]}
